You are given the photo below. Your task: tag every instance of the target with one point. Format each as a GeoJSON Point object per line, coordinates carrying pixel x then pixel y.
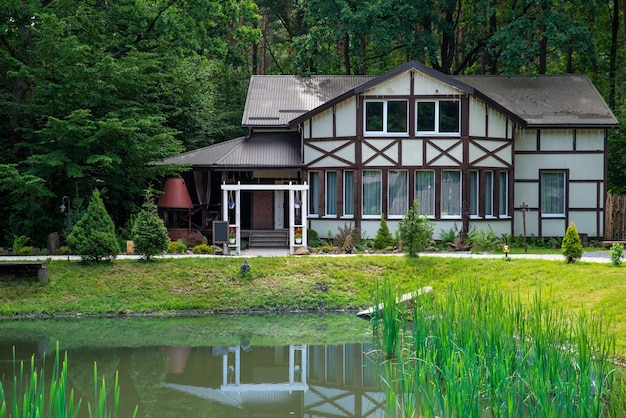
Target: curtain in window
{"type": "Point", "coordinates": [473, 193]}
{"type": "Point", "coordinates": [348, 193]}
{"type": "Point", "coordinates": [398, 198]}
{"type": "Point", "coordinates": [451, 193]}
{"type": "Point", "coordinates": [331, 193]}
{"type": "Point", "coordinates": [314, 187]}
{"type": "Point", "coordinates": [504, 193]}
{"type": "Point", "coordinates": [489, 193]}
{"type": "Point", "coordinates": [372, 185]}
{"type": "Point", "coordinates": [425, 192]}
{"type": "Point", "coordinates": [553, 193]}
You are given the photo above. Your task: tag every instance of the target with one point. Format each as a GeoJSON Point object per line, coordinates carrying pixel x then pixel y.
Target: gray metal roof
{"type": "Point", "coordinates": [278, 99]}
{"type": "Point", "coordinates": [262, 150]}
{"type": "Point", "coordinates": [565, 100]}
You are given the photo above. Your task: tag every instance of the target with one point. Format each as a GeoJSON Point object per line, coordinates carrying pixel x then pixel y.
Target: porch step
{"type": "Point", "coordinates": [269, 238]}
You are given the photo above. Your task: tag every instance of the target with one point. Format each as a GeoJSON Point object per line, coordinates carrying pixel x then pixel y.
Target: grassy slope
{"type": "Point", "coordinates": [301, 283]}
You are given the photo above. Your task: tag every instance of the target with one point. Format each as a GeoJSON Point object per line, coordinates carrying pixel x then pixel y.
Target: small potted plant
{"type": "Point", "coordinates": [232, 234]}
{"type": "Point", "coordinates": [298, 236]}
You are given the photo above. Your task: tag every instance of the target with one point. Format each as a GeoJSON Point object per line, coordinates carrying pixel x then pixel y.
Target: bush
{"type": "Point", "coordinates": [348, 237]}
{"type": "Point", "coordinates": [447, 236]}
{"type": "Point", "coordinates": [383, 238]}
{"type": "Point", "coordinates": [313, 238]}
{"type": "Point", "coordinates": [25, 250]}
{"type": "Point", "coordinates": [416, 231]}
{"type": "Point", "coordinates": [484, 240]}
{"type": "Point", "coordinates": [64, 250]}
{"type": "Point", "coordinates": [149, 232]}
{"type": "Point", "coordinates": [202, 249]}
{"type": "Point", "coordinates": [571, 248]}
{"type": "Point", "coordinates": [19, 243]}
{"type": "Point", "coordinates": [616, 252]}
{"type": "Point", "coordinates": [93, 236]}
{"type": "Point", "coordinates": [176, 247]}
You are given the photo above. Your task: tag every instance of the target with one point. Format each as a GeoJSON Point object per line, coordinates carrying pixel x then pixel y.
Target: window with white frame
{"type": "Point", "coordinates": [425, 192]}
{"type": "Point", "coordinates": [504, 193]}
{"type": "Point", "coordinates": [488, 193]}
{"type": "Point", "coordinates": [553, 193]}
{"type": "Point", "coordinates": [314, 188]}
{"type": "Point", "coordinates": [450, 193]}
{"type": "Point", "coordinates": [386, 116]}
{"type": "Point", "coordinates": [438, 117]}
{"type": "Point", "coordinates": [372, 188]}
{"type": "Point", "coordinates": [398, 193]}
{"type": "Point", "coordinates": [331, 193]}
{"type": "Point", "coordinates": [348, 193]}
{"type": "Point", "coordinates": [473, 186]}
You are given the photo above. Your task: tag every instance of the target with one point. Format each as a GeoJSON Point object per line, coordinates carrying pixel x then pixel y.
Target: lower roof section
{"type": "Point", "coordinates": [260, 150]}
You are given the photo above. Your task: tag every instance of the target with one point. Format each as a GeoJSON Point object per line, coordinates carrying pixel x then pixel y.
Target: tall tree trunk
{"type": "Point", "coordinates": [346, 53]}
{"type": "Point", "coordinates": [613, 53]}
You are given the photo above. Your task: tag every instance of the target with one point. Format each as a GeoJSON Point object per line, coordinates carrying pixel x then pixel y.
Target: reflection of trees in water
{"type": "Point", "coordinates": [148, 368]}
{"type": "Point", "coordinates": [80, 371]}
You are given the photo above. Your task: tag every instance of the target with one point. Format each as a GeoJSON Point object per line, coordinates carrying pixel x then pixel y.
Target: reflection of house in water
{"type": "Point", "coordinates": [295, 380]}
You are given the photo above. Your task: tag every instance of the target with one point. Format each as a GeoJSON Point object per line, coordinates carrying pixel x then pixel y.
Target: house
{"type": "Point", "coordinates": [516, 155]}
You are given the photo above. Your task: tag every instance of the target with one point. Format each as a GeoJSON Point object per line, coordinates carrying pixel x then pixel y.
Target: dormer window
{"type": "Point", "coordinates": [386, 117]}
{"type": "Point", "coordinates": [440, 117]}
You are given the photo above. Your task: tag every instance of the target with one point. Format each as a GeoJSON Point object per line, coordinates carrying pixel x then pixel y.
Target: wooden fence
{"type": "Point", "coordinates": [615, 218]}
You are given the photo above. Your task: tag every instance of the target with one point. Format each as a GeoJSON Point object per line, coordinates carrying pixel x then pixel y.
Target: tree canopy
{"type": "Point", "coordinates": [92, 91]}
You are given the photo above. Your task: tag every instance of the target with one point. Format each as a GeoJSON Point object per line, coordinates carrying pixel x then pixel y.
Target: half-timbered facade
{"type": "Point", "coordinates": [505, 153]}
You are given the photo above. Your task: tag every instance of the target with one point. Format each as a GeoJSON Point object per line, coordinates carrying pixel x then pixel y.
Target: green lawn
{"type": "Point", "coordinates": [314, 283]}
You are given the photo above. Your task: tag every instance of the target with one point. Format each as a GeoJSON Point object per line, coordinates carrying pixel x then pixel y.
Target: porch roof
{"type": "Point", "coordinates": [260, 150]}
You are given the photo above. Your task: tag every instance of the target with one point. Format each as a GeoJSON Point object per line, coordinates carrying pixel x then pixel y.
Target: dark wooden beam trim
{"type": "Point", "coordinates": [381, 152]}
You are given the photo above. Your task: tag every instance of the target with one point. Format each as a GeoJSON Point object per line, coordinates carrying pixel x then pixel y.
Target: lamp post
{"type": "Point", "coordinates": [63, 208]}
{"type": "Point", "coordinates": [506, 250]}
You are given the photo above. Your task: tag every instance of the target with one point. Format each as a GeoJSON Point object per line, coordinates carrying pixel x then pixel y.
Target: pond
{"type": "Point", "coordinates": [216, 366]}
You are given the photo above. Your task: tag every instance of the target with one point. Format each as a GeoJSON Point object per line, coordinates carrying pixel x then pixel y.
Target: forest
{"type": "Point", "coordinates": [93, 91]}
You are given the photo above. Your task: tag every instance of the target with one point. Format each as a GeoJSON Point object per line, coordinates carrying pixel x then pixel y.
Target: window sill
{"type": "Point", "coordinates": [347, 217]}
{"type": "Point", "coordinates": [443, 217]}
{"type": "Point", "coordinates": [371, 216]}
{"type": "Point", "coordinates": [313, 216]}
{"type": "Point", "coordinates": [386, 134]}
{"type": "Point", "coordinates": [548, 216]}
{"type": "Point", "coordinates": [329, 217]}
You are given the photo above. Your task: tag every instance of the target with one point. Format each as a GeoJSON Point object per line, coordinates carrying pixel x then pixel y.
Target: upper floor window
{"type": "Point", "coordinates": [438, 117]}
{"type": "Point", "coordinates": [385, 116]}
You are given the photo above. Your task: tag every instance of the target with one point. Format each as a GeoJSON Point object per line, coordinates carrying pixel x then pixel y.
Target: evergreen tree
{"type": "Point", "coordinates": [416, 231]}
{"type": "Point", "coordinates": [571, 247]}
{"type": "Point", "coordinates": [93, 236]}
{"type": "Point", "coordinates": [149, 232]}
{"type": "Point", "coordinates": [383, 238]}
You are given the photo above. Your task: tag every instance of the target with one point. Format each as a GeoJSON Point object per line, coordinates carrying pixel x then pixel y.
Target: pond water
{"type": "Point", "coordinates": [232, 366]}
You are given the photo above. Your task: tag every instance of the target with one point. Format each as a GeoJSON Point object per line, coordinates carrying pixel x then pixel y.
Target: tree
{"type": "Point", "coordinates": [149, 232]}
{"type": "Point", "coordinates": [93, 236]}
{"type": "Point", "coordinates": [571, 247]}
{"type": "Point", "coordinates": [383, 238]}
{"type": "Point", "coordinates": [416, 231]}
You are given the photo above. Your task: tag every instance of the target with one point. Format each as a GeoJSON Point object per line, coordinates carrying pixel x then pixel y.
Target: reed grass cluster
{"type": "Point", "coordinates": [477, 352]}
{"type": "Point", "coordinates": [33, 398]}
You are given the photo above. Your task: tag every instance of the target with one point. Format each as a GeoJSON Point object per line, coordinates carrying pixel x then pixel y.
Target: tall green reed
{"type": "Point", "coordinates": [30, 393]}
{"type": "Point", "coordinates": [476, 352]}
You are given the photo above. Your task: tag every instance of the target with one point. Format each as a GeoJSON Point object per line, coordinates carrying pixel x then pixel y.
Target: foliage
{"type": "Point", "coordinates": [571, 247]}
{"type": "Point", "coordinates": [75, 211]}
{"type": "Point", "coordinates": [25, 250]}
{"type": "Point", "coordinates": [149, 232]}
{"type": "Point", "coordinates": [480, 348]}
{"type": "Point", "coordinates": [484, 240]}
{"type": "Point", "coordinates": [347, 237]}
{"type": "Point", "coordinates": [383, 238]}
{"type": "Point", "coordinates": [298, 233]}
{"type": "Point", "coordinates": [447, 236]}
{"type": "Point", "coordinates": [616, 253]}
{"type": "Point", "coordinates": [416, 231]}
{"type": "Point", "coordinates": [93, 236]}
{"type": "Point", "coordinates": [32, 398]}
{"type": "Point", "coordinates": [202, 249]}
{"type": "Point", "coordinates": [19, 243]}
{"type": "Point", "coordinates": [313, 238]}
{"type": "Point", "coordinates": [177, 246]}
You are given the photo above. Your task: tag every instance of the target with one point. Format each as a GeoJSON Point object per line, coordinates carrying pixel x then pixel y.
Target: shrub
{"type": "Point", "coordinates": [149, 232]}
{"type": "Point", "coordinates": [484, 240]}
{"type": "Point", "coordinates": [313, 238]}
{"type": "Point", "coordinates": [93, 236]}
{"type": "Point", "coordinates": [19, 243]}
{"type": "Point", "coordinates": [348, 232]}
{"type": "Point", "coordinates": [571, 248]}
{"type": "Point", "coordinates": [416, 231]}
{"type": "Point", "coordinates": [176, 247]}
{"type": "Point", "coordinates": [64, 250]}
{"type": "Point", "coordinates": [383, 238]}
{"type": "Point", "coordinates": [447, 236]}
{"type": "Point", "coordinates": [616, 252]}
{"type": "Point", "coordinates": [202, 249]}
{"type": "Point", "coordinates": [25, 250]}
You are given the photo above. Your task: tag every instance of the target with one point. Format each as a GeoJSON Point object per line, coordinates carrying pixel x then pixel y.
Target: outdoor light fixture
{"type": "Point", "coordinates": [506, 250]}
{"type": "Point", "coordinates": [62, 208]}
